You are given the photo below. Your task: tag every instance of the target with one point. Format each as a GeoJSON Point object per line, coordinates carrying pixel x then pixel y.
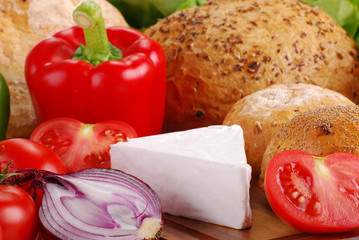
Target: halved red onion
{"type": "Point", "coordinates": [99, 204]}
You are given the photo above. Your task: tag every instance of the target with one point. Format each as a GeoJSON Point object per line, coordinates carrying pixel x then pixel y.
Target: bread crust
{"type": "Point", "coordinates": [319, 132]}
{"type": "Point", "coordinates": [22, 25]}
{"type": "Point", "coordinates": [224, 50]}
{"type": "Point", "coordinates": [264, 112]}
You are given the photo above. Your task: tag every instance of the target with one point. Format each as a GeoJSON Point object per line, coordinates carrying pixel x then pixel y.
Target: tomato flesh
{"type": "Point", "coordinates": [296, 182]}
{"type": "Point", "coordinates": [314, 194]}
{"type": "Point", "coordinates": [81, 145]}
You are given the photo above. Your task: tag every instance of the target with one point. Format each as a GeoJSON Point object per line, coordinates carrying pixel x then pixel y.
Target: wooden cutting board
{"type": "Point", "coordinates": [265, 225]}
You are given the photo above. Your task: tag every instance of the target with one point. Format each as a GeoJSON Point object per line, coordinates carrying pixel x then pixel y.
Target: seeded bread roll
{"type": "Point", "coordinates": [319, 132]}
{"type": "Point", "coordinates": [264, 112]}
{"type": "Point", "coordinates": [224, 50]}
{"type": "Point", "coordinates": [22, 25]}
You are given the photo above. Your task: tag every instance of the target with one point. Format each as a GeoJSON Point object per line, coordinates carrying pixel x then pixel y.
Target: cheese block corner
{"type": "Point", "coordinates": [200, 174]}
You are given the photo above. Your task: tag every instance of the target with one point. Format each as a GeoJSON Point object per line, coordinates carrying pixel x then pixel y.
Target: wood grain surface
{"type": "Point", "coordinates": [265, 225]}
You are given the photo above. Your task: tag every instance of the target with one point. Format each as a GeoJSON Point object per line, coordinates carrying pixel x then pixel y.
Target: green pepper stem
{"type": "Point", "coordinates": [88, 15]}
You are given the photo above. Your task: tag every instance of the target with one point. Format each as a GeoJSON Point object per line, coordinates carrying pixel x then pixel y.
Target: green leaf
{"type": "Point", "coordinates": [190, 4]}
{"type": "Point", "coordinates": [141, 14]}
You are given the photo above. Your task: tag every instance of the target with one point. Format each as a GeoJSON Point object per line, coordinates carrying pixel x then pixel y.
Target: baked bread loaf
{"type": "Point", "coordinates": [264, 112]}
{"type": "Point", "coordinates": [319, 132]}
{"type": "Point", "coordinates": [224, 50]}
{"type": "Point", "coordinates": [22, 25]}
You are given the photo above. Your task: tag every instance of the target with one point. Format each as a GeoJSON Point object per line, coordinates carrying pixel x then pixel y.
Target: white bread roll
{"type": "Point", "coordinates": [22, 25]}
{"type": "Point", "coordinates": [224, 50]}
{"type": "Point", "coordinates": [263, 113]}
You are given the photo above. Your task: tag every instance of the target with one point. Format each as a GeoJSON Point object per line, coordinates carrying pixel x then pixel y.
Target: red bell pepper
{"type": "Point", "coordinates": [93, 74]}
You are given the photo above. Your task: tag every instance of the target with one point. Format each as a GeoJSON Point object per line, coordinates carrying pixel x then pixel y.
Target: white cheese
{"type": "Point", "coordinates": [200, 174]}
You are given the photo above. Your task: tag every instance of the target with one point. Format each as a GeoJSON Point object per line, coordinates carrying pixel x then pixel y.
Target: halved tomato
{"type": "Point", "coordinates": [314, 194]}
{"type": "Point", "coordinates": [81, 145]}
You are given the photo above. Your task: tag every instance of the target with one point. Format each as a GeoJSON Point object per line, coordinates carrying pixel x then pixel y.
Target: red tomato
{"type": "Point", "coordinates": [314, 194]}
{"type": "Point", "coordinates": [1, 234]}
{"type": "Point", "coordinates": [18, 214]}
{"type": "Point", "coordinates": [80, 145]}
{"type": "Point", "coordinates": [24, 153]}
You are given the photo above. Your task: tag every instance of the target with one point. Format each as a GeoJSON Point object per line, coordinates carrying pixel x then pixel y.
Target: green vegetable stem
{"type": "Point", "coordinates": [4, 107]}
{"type": "Point", "coordinates": [88, 15]}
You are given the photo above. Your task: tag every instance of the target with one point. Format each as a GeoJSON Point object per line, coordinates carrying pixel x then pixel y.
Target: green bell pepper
{"type": "Point", "coordinates": [4, 107]}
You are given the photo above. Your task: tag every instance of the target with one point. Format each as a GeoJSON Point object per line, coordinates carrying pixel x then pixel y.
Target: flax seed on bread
{"type": "Point", "coordinates": [224, 50]}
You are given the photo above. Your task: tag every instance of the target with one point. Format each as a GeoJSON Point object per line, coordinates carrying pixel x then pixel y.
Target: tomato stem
{"type": "Point", "coordinates": [4, 174]}
{"type": "Point", "coordinates": [88, 15]}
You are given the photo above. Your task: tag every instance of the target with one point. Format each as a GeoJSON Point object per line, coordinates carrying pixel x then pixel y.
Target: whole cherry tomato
{"type": "Point", "coordinates": [18, 214]}
{"type": "Point", "coordinates": [314, 194]}
{"type": "Point", "coordinates": [24, 153]}
{"type": "Point", "coordinates": [81, 145]}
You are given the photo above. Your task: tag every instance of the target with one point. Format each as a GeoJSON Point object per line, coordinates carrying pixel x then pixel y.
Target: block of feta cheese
{"type": "Point", "coordinates": [200, 174]}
